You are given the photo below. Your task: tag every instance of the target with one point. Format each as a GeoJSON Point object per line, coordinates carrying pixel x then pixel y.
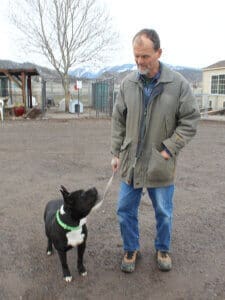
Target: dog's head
{"type": "Point", "coordinates": [79, 203]}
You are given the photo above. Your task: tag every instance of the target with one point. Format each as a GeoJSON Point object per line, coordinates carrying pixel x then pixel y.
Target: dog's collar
{"type": "Point", "coordinates": [63, 225]}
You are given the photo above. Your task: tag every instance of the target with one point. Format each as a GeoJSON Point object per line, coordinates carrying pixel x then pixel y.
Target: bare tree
{"type": "Point", "coordinates": [66, 32]}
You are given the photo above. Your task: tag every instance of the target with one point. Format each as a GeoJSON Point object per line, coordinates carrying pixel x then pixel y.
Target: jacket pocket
{"type": "Point", "coordinates": [160, 169]}
{"type": "Point", "coordinates": [125, 157]}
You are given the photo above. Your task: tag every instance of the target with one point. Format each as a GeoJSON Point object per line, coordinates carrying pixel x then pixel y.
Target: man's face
{"type": "Point", "coordinates": [146, 57]}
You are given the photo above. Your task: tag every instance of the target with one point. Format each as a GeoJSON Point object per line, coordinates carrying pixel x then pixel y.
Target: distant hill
{"type": "Point", "coordinates": [118, 72]}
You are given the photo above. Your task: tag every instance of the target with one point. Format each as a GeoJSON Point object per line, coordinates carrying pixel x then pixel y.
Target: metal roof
{"type": "Point", "coordinates": [217, 65]}
{"type": "Point", "coordinates": [29, 68]}
{"type": "Point", "coordinates": [14, 68]}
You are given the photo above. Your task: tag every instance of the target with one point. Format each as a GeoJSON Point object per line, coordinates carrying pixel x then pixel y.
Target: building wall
{"type": "Point", "coordinates": [216, 102]}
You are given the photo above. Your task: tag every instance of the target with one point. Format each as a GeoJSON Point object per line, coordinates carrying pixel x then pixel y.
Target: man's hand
{"type": "Point", "coordinates": [115, 163]}
{"type": "Point", "coordinates": [165, 155]}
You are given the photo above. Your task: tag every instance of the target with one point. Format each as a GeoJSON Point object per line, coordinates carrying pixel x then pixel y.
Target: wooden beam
{"type": "Point", "coordinates": [12, 79]}
{"type": "Point", "coordinates": [29, 90]}
{"type": "Point", "coordinates": [19, 71]}
{"type": "Point", "coordinates": [23, 75]}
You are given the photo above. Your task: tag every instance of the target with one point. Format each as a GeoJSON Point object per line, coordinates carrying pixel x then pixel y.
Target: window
{"type": "Point", "coordinates": [218, 84]}
{"type": "Point", "coordinates": [3, 87]}
{"type": "Point", "coordinates": [222, 84]}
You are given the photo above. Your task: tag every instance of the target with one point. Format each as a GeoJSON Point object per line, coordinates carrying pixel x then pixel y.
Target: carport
{"type": "Point", "coordinates": [19, 78]}
{"type": "Point", "coordinates": [22, 78]}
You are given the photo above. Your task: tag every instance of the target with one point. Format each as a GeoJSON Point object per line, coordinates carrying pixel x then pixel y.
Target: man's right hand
{"type": "Point", "coordinates": [115, 163]}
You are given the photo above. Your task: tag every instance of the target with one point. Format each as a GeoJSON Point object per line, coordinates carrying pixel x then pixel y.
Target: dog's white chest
{"type": "Point", "coordinates": [76, 237]}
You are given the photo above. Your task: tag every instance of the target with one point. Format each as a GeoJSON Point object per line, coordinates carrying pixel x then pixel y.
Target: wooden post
{"type": "Point", "coordinates": [23, 75]}
{"type": "Point", "coordinates": [29, 89]}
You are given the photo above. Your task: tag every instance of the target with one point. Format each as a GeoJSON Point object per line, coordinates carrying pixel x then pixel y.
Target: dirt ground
{"type": "Point", "coordinates": [37, 156]}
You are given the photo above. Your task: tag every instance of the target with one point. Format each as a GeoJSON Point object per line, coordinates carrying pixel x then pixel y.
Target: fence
{"type": "Point", "coordinates": [103, 96]}
{"type": "Point", "coordinates": [96, 96]}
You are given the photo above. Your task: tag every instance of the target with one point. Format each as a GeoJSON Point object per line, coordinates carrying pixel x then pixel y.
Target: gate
{"type": "Point", "coordinates": [103, 96]}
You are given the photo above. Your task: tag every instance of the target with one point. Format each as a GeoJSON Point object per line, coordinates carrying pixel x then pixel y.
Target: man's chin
{"type": "Point", "coordinates": [143, 71]}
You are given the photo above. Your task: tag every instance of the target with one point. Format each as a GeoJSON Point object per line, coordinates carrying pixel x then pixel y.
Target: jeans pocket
{"type": "Point", "coordinates": [160, 169]}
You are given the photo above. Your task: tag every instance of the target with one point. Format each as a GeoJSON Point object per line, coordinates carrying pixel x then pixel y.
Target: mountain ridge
{"type": "Point", "coordinates": [191, 74]}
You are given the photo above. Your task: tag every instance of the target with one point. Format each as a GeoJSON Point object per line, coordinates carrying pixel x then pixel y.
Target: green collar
{"type": "Point", "coordinates": [63, 225]}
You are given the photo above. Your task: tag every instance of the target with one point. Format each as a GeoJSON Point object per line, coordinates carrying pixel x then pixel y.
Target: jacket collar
{"type": "Point", "coordinates": [165, 76]}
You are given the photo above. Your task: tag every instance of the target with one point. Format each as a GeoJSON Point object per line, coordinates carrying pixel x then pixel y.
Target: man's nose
{"type": "Point", "coordinates": [139, 60]}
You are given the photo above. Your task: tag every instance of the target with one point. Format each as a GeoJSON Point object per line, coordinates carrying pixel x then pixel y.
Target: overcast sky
{"type": "Point", "coordinates": [191, 32]}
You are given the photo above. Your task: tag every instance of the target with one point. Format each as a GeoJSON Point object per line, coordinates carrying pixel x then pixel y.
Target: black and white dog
{"type": "Point", "coordinates": [65, 225]}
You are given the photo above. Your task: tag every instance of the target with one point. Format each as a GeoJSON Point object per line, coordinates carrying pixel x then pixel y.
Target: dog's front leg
{"type": "Point", "coordinates": [49, 247]}
{"type": "Point", "coordinates": [80, 254]}
{"type": "Point", "coordinates": [66, 272]}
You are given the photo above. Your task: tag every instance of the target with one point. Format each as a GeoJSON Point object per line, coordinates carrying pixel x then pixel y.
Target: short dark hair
{"type": "Point", "coordinates": [151, 34]}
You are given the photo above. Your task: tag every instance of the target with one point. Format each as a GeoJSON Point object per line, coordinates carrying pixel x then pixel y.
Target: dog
{"type": "Point", "coordinates": [65, 225]}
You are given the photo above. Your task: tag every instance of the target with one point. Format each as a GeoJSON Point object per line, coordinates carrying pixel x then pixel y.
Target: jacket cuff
{"type": "Point", "coordinates": [167, 151]}
{"type": "Point", "coordinates": [116, 154]}
{"type": "Point", "coordinates": [171, 147]}
{"type": "Point", "coordinates": [174, 144]}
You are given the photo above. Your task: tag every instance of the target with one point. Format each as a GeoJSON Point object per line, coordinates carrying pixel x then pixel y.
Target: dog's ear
{"type": "Point", "coordinates": [64, 192]}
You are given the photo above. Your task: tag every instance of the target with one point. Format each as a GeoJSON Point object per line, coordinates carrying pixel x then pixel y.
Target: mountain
{"type": "Point", "coordinates": [193, 75]}
{"type": "Point", "coordinates": [119, 71]}
{"type": "Point", "coordinates": [86, 72]}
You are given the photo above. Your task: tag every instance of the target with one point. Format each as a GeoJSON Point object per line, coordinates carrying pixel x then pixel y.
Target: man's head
{"type": "Point", "coordinates": [147, 51]}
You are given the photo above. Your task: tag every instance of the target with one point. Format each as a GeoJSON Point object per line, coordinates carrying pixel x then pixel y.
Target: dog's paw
{"type": "Point", "coordinates": [49, 253]}
{"type": "Point", "coordinates": [82, 270]}
{"type": "Point", "coordinates": [68, 278]}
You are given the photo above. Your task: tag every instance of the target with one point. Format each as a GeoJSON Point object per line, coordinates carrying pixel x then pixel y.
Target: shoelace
{"type": "Point", "coordinates": [130, 254]}
{"type": "Point", "coordinates": [164, 254]}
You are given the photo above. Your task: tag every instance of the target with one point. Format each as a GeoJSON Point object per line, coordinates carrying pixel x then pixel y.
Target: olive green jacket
{"type": "Point", "coordinates": [170, 121]}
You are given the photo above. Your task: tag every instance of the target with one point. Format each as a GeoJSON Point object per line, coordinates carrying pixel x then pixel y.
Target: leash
{"type": "Point", "coordinates": [97, 206]}
{"type": "Point", "coordinates": [108, 186]}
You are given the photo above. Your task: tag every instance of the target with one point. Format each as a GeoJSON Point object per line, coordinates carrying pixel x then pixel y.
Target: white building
{"type": "Point", "coordinates": [214, 86]}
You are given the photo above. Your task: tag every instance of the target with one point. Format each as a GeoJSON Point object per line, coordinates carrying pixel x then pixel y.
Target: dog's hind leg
{"type": "Point", "coordinates": [80, 254]}
{"type": "Point", "coordinates": [66, 272]}
{"type": "Point", "coordinates": [49, 247]}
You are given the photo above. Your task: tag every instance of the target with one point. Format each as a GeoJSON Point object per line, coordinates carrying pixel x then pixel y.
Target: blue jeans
{"type": "Point", "coordinates": [127, 211]}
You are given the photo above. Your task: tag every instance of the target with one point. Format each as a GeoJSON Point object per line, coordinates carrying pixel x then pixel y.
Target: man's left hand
{"type": "Point", "coordinates": [165, 155]}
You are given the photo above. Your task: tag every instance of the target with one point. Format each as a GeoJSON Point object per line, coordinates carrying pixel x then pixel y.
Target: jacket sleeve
{"type": "Point", "coordinates": [118, 127]}
{"type": "Point", "coordinates": [188, 116]}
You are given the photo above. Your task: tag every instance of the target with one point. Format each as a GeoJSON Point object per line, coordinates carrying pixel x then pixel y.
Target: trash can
{"type": "Point", "coordinates": [76, 106]}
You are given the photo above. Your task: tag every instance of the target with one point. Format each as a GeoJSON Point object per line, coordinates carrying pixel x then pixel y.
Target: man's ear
{"type": "Point", "coordinates": [159, 52]}
{"type": "Point", "coordinates": [64, 192]}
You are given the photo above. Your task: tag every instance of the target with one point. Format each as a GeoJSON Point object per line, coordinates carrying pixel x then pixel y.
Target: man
{"type": "Point", "coordinates": [154, 116]}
